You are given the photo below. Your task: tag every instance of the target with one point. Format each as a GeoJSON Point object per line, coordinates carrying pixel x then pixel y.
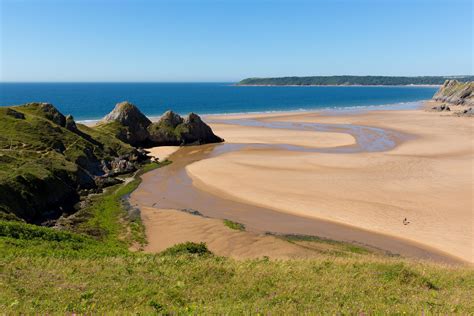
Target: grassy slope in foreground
{"type": "Point", "coordinates": [352, 80]}
{"type": "Point", "coordinates": [45, 270]}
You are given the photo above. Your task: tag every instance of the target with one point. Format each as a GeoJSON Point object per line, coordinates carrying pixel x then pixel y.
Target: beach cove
{"type": "Point", "coordinates": [411, 194]}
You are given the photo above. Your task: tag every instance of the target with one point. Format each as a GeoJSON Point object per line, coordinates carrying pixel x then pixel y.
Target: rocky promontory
{"type": "Point", "coordinates": [131, 126]}
{"type": "Point", "coordinates": [456, 97]}
{"type": "Point", "coordinates": [49, 163]}
{"type": "Point", "coordinates": [455, 92]}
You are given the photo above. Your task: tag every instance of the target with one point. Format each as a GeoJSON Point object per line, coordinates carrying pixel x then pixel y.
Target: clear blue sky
{"type": "Point", "coordinates": [139, 40]}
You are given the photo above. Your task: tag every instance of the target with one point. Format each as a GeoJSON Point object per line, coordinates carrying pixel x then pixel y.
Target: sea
{"type": "Point", "coordinates": [91, 101]}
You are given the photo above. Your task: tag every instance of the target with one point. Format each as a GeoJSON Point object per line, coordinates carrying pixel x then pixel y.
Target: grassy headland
{"type": "Point", "coordinates": [46, 163]}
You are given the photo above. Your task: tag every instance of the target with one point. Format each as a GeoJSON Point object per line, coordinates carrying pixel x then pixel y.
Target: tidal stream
{"type": "Point", "coordinates": [172, 188]}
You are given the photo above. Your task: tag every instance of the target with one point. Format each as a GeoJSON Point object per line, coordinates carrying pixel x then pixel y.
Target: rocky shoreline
{"type": "Point", "coordinates": [455, 97]}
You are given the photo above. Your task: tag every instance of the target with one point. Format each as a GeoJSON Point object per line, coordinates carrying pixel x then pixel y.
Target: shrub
{"type": "Point", "coordinates": [234, 225]}
{"type": "Point", "coordinates": [18, 230]}
{"type": "Point", "coordinates": [192, 248]}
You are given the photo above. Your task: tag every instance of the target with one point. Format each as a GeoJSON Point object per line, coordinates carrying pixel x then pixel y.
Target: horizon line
{"type": "Point", "coordinates": [234, 81]}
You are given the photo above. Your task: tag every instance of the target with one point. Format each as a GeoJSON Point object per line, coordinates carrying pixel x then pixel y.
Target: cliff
{"type": "Point", "coordinates": [48, 161]}
{"type": "Point", "coordinates": [456, 93]}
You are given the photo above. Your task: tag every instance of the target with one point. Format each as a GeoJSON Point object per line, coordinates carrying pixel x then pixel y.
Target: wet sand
{"type": "Point", "coordinates": [333, 188]}
{"type": "Point", "coordinates": [170, 227]}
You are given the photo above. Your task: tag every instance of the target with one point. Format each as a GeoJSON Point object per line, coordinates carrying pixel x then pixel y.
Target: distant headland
{"type": "Point", "coordinates": [352, 81]}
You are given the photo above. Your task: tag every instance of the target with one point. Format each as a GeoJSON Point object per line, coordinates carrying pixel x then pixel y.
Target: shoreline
{"type": "Point", "coordinates": [224, 167]}
{"type": "Point", "coordinates": [336, 110]}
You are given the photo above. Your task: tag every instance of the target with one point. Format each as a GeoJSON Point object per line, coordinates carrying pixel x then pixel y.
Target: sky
{"type": "Point", "coordinates": [210, 40]}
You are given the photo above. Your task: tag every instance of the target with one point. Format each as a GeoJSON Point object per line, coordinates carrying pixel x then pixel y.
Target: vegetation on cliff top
{"type": "Point", "coordinates": [352, 80]}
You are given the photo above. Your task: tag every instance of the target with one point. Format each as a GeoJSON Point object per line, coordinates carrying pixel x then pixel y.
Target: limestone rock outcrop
{"type": "Point", "coordinates": [133, 127]}
{"type": "Point", "coordinates": [51, 113]}
{"type": "Point", "coordinates": [456, 93]}
{"type": "Point", "coordinates": [71, 124]}
{"type": "Point", "coordinates": [166, 131]}
{"type": "Point", "coordinates": [15, 114]}
{"type": "Point", "coordinates": [197, 132]}
{"type": "Point", "coordinates": [132, 123]}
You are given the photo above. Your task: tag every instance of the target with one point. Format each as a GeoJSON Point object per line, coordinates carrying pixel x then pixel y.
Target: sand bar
{"type": "Point", "coordinates": [162, 152]}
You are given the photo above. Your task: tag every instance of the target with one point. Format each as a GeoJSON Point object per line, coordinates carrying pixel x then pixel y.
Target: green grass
{"type": "Point", "coordinates": [337, 247]}
{"type": "Point", "coordinates": [38, 156]}
{"type": "Point", "coordinates": [234, 225]}
{"type": "Point", "coordinates": [188, 248]}
{"type": "Point", "coordinates": [94, 278]}
{"type": "Point", "coordinates": [44, 271]}
{"type": "Point", "coordinates": [106, 216]}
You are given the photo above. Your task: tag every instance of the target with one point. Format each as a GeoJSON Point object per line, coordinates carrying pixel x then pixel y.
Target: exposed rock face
{"type": "Point", "coordinates": [467, 112]}
{"type": "Point", "coordinates": [118, 166]}
{"type": "Point", "coordinates": [164, 132]}
{"type": "Point", "coordinates": [71, 124]}
{"type": "Point", "coordinates": [172, 129]}
{"type": "Point", "coordinates": [103, 182]}
{"type": "Point", "coordinates": [15, 114]}
{"type": "Point", "coordinates": [52, 114]}
{"type": "Point", "coordinates": [196, 131]}
{"type": "Point", "coordinates": [136, 129]}
{"type": "Point", "coordinates": [442, 107]}
{"type": "Point", "coordinates": [170, 119]}
{"type": "Point", "coordinates": [136, 123]}
{"type": "Point", "coordinates": [455, 92]}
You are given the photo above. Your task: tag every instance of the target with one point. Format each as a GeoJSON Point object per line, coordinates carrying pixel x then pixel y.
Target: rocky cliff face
{"type": "Point", "coordinates": [166, 131]}
{"type": "Point", "coordinates": [456, 93]}
{"type": "Point", "coordinates": [134, 123]}
{"type": "Point", "coordinates": [197, 132]}
{"type": "Point", "coordinates": [131, 126]}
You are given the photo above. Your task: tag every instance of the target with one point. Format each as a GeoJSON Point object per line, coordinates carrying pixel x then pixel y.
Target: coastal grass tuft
{"type": "Point", "coordinates": [234, 225]}
{"type": "Point", "coordinates": [337, 247]}
{"type": "Point", "coordinates": [189, 248]}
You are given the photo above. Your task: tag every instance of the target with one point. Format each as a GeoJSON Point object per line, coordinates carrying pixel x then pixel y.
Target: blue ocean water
{"type": "Point", "coordinates": [89, 101]}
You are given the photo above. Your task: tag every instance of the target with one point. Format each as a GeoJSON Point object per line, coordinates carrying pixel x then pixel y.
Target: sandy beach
{"type": "Point", "coordinates": [426, 176]}
{"type": "Point", "coordinates": [167, 227]}
{"type": "Point", "coordinates": [162, 152]}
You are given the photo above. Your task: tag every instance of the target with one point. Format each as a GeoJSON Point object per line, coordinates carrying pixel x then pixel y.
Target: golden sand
{"type": "Point", "coordinates": [428, 179]}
